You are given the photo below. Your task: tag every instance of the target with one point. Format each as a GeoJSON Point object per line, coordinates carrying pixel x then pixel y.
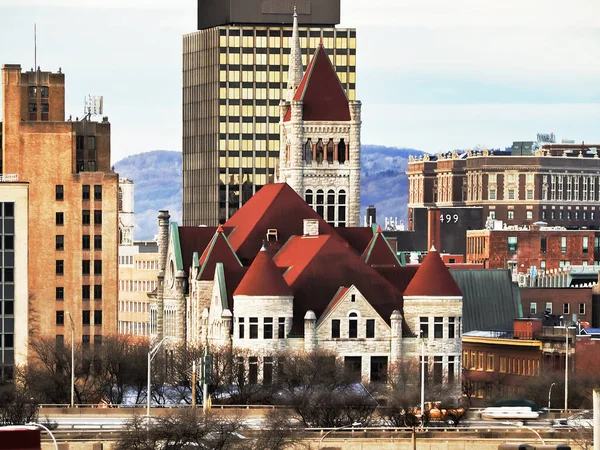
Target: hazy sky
{"type": "Point", "coordinates": [432, 74]}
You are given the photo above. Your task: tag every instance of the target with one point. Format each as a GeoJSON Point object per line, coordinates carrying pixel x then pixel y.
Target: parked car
{"type": "Point", "coordinates": [583, 419]}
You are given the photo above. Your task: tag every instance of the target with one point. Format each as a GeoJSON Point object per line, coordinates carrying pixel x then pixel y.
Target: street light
{"type": "Point", "coordinates": [151, 354]}
{"type": "Point", "coordinates": [47, 430]}
{"type": "Point", "coordinates": [550, 394]}
{"type": "Point", "coordinates": [72, 360]}
{"type": "Point", "coordinates": [355, 424]}
{"type": "Point", "coordinates": [422, 375]}
{"type": "Point", "coordinates": [566, 364]}
{"type": "Point", "coordinates": [522, 425]}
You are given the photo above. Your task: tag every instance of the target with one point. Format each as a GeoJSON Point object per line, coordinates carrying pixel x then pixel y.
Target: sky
{"type": "Point", "coordinates": [433, 75]}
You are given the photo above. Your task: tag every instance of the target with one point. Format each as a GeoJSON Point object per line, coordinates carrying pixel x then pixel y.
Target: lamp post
{"type": "Point", "coordinates": [47, 430]}
{"type": "Point", "coordinates": [422, 375]}
{"type": "Point", "coordinates": [72, 360]}
{"type": "Point", "coordinates": [522, 425]}
{"type": "Point", "coordinates": [550, 394]}
{"type": "Point", "coordinates": [566, 365]}
{"type": "Point", "coordinates": [151, 354]}
{"type": "Point", "coordinates": [355, 424]}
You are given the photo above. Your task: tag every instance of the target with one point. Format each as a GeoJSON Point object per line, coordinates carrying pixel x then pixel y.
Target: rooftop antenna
{"type": "Point", "coordinates": [35, 47]}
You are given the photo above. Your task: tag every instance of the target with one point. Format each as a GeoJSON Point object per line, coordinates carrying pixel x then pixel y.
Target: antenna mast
{"type": "Point", "coordinates": [35, 47]}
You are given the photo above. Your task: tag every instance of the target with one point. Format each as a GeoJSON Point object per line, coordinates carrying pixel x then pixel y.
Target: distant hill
{"type": "Point", "coordinates": [157, 177]}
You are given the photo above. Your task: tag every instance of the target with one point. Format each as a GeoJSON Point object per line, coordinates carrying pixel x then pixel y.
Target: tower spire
{"type": "Point", "coordinates": [295, 68]}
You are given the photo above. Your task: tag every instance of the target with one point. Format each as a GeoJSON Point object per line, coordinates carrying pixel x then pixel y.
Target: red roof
{"type": "Point", "coordinates": [379, 253]}
{"type": "Point", "coordinates": [319, 265]}
{"type": "Point", "coordinates": [194, 239]}
{"type": "Point", "coordinates": [433, 279]}
{"type": "Point", "coordinates": [274, 206]}
{"type": "Point", "coordinates": [218, 250]}
{"type": "Point", "coordinates": [357, 237]}
{"type": "Point", "coordinates": [321, 92]}
{"type": "Point", "coordinates": [263, 279]}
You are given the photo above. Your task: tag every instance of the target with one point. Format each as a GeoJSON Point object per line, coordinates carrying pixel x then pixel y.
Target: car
{"type": "Point", "coordinates": [510, 412]}
{"type": "Point", "coordinates": [583, 419]}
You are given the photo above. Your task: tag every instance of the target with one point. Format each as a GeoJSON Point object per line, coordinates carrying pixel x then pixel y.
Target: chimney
{"type": "Point", "coordinates": [311, 227]}
{"type": "Point", "coordinates": [433, 229]}
{"type": "Point", "coordinates": [371, 215]}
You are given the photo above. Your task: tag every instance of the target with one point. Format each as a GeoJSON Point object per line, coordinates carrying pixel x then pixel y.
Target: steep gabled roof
{"type": "Point", "coordinates": [379, 253]}
{"type": "Point", "coordinates": [322, 95]}
{"type": "Point", "coordinates": [357, 237]}
{"type": "Point", "coordinates": [433, 279]}
{"type": "Point", "coordinates": [319, 265]}
{"type": "Point", "coordinates": [263, 279]}
{"type": "Point", "coordinates": [218, 250]}
{"type": "Point", "coordinates": [190, 240]}
{"type": "Point", "coordinates": [275, 206]}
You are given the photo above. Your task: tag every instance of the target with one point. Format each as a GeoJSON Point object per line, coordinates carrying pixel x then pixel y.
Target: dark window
{"type": "Point", "coordinates": [424, 327]}
{"type": "Point", "coordinates": [60, 218]}
{"type": "Point", "coordinates": [438, 327]}
{"type": "Point", "coordinates": [60, 242]}
{"type": "Point", "coordinates": [98, 192]}
{"type": "Point", "coordinates": [268, 370]}
{"type": "Point", "coordinates": [60, 267]}
{"type": "Point", "coordinates": [9, 242]}
{"type": "Point", "coordinates": [370, 328]}
{"type": "Point", "coordinates": [268, 328]}
{"type": "Point", "coordinates": [60, 192]}
{"type": "Point", "coordinates": [281, 328]}
{"type": "Point", "coordinates": [85, 217]}
{"type": "Point", "coordinates": [379, 368]}
{"type": "Point", "coordinates": [98, 217]}
{"type": "Point", "coordinates": [353, 326]}
{"type": "Point", "coordinates": [335, 328]}
{"type": "Point", "coordinates": [241, 327]}
{"type": "Point", "coordinates": [85, 267]}
{"type": "Point", "coordinates": [438, 369]}
{"type": "Point", "coordinates": [8, 340]}
{"type": "Point", "coordinates": [9, 307]}
{"type": "Point", "coordinates": [60, 340]}
{"type": "Point", "coordinates": [85, 192]}
{"type": "Point", "coordinates": [85, 339]}
{"type": "Point", "coordinates": [85, 292]}
{"type": "Point", "coordinates": [253, 327]}
{"type": "Point", "coordinates": [451, 325]}
{"type": "Point", "coordinates": [9, 274]}
{"type": "Point", "coordinates": [98, 242]}
{"type": "Point", "coordinates": [353, 298]}
{"type": "Point", "coordinates": [450, 369]}
{"type": "Point", "coordinates": [98, 292]}
{"type": "Point", "coordinates": [98, 267]}
{"type": "Point", "coordinates": [97, 317]}
{"type": "Point", "coordinates": [44, 90]}
{"type": "Point", "coordinates": [85, 315]}
{"type": "Point", "coordinates": [543, 244]}
{"type": "Point", "coordinates": [91, 142]}
{"type": "Point", "coordinates": [9, 209]}
{"type": "Point", "coordinates": [98, 339]}
{"type": "Point", "coordinates": [32, 91]}
{"type": "Point", "coordinates": [60, 293]}
{"type": "Point", "coordinates": [252, 368]}
{"type": "Point", "coordinates": [79, 142]}
{"type": "Point", "coordinates": [352, 366]}
{"type": "Point", "coordinates": [85, 242]}
{"type": "Point", "coordinates": [60, 317]}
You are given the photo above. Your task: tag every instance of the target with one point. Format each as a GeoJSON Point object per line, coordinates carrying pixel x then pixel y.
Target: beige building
{"type": "Point", "coordinates": [72, 207]}
{"type": "Point", "coordinates": [14, 304]}
{"type": "Point", "coordinates": [235, 72]}
{"type": "Point", "coordinates": [138, 268]}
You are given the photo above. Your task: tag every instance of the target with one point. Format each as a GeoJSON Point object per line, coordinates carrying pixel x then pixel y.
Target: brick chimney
{"type": "Point", "coordinates": [433, 229]}
{"type": "Point", "coordinates": [311, 227]}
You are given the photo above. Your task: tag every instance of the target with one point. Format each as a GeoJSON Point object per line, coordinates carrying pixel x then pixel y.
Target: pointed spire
{"type": "Point", "coordinates": [295, 71]}
{"type": "Point", "coordinates": [219, 229]}
{"type": "Point", "coordinates": [378, 229]}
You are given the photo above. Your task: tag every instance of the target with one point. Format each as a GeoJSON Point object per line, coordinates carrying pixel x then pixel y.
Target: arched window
{"type": "Point", "coordinates": [341, 207]}
{"type": "Point", "coordinates": [331, 207]}
{"type": "Point", "coordinates": [342, 152]}
{"type": "Point", "coordinates": [352, 325]}
{"type": "Point", "coordinates": [308, 151]}
{"type": "Point", "coordinates": [330, 151]}
{"type": "Point", "coordinates": [308, 197]}
{"type": "Point", "coordinates": [320, 203]}
{"type": "Point", "coordinates": [320, 151]}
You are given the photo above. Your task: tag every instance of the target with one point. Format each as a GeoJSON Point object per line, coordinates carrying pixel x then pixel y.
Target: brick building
{"type": "Point", "coordinates": [520, 248]}
{"type": "Point", "coordinates": [559, 301]}
{"type": "Point", "coordinates": [555, 183]}
{"type": "Point", "coordinates": [72, 222]}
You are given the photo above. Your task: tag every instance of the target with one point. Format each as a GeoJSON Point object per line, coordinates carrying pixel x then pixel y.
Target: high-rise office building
{"type": "Point", "coordinates": [235, 71]}
{"type": "Point", "coordinates": [72, 222]}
